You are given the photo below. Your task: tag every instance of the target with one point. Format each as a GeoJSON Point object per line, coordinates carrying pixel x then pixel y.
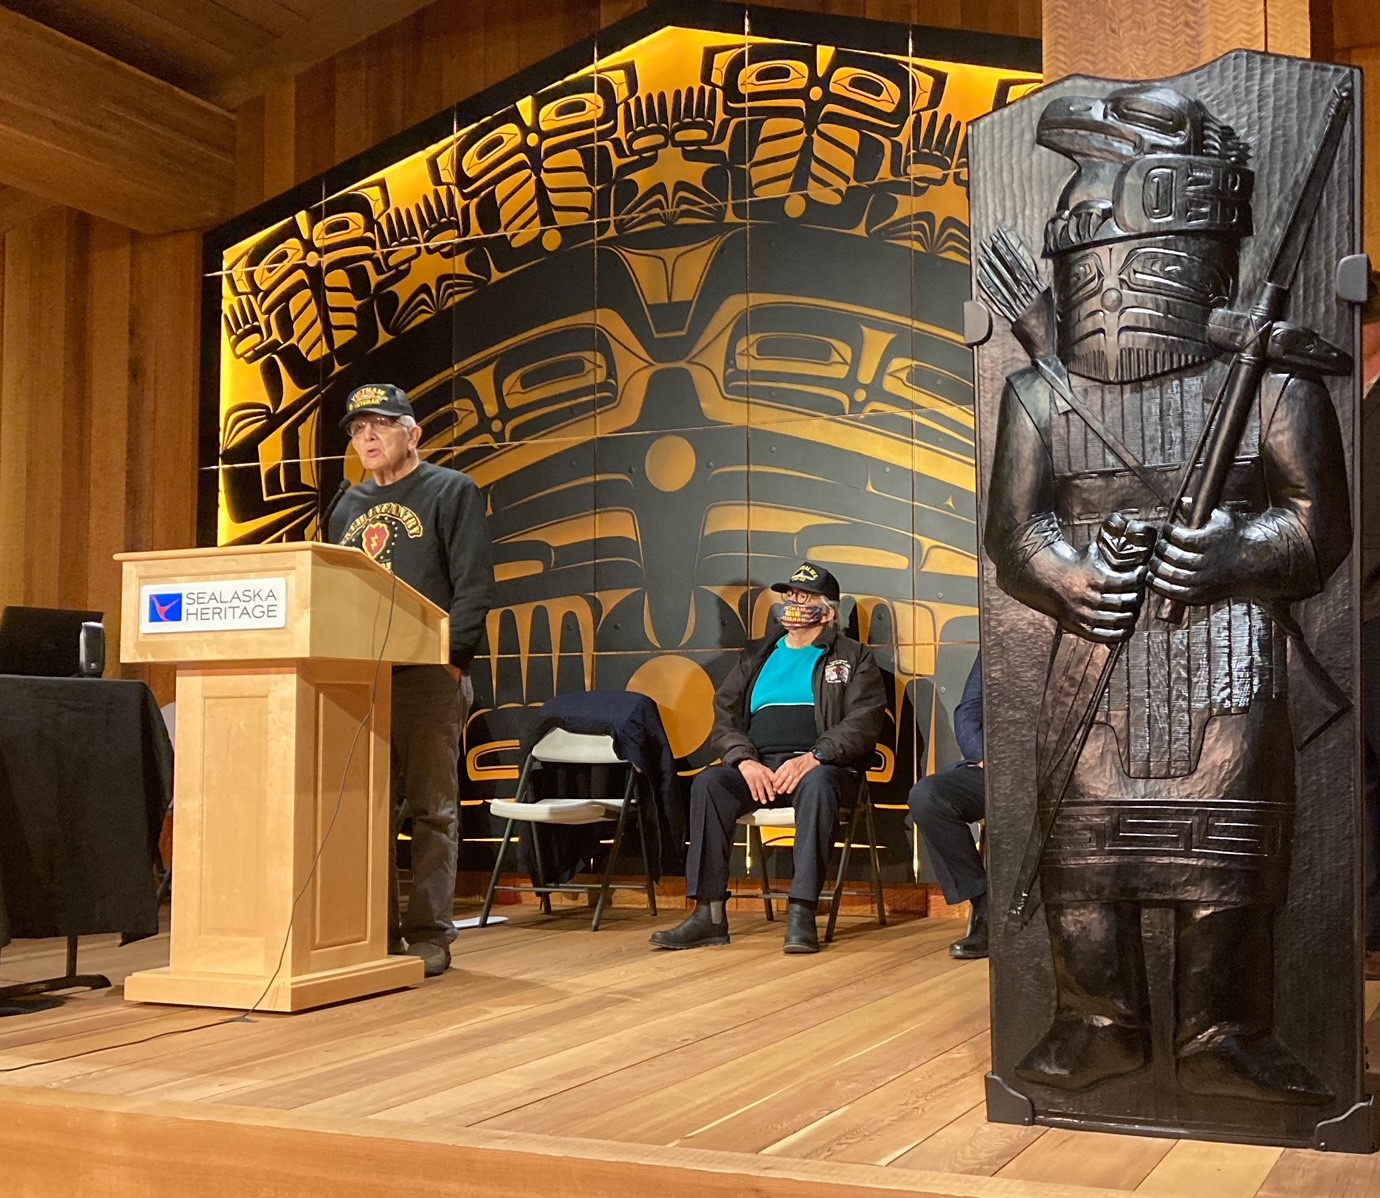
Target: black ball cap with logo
{"type": "Point", "coordinates": [813, 580]}
{"type": "Point", "coordinates": [383, 399]}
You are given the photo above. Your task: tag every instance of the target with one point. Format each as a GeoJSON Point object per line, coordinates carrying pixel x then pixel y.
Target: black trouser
{"type": "Point", "coordinates": [720, 796]}
{"type": "Point", "coordinates": [943, 806]}
{"type": "Point", "coordinates": [428, 713]}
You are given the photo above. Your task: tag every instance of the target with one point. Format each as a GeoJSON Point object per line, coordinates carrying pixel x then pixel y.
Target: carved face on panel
{"type": "Point", "coordinates": [1145, 237]}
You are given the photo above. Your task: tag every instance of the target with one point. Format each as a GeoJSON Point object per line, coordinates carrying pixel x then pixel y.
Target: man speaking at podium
{"type": "Point", "coordinates": [426, 524]}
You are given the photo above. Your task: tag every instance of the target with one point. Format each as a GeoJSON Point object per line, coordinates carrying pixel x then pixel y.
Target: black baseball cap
{"type": "Point", "coordinates": [814, 580]}
{"type": "Point", "coordinates": [384, 399]}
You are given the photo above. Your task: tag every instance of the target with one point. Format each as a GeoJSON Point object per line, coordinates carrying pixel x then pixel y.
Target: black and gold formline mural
{"type": "Point", "coordinates": [686, 302]}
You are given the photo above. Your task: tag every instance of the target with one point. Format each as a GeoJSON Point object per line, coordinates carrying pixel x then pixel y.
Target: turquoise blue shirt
{"type": "Point", "coordinates": [786, 677]}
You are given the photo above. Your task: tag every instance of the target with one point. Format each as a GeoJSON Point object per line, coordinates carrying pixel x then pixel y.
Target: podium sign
{"type": "Point", "coordinates": [280, 873]}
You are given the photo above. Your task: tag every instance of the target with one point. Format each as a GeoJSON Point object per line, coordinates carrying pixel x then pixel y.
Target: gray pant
{"type": "Point", "coordinates": [719, 795]}
{"type": "Point", "coordinates": [429, 711]}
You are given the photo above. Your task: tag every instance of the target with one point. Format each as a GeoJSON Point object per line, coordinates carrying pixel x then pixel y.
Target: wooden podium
{"type": "Point", "coordinates": [282, 767]}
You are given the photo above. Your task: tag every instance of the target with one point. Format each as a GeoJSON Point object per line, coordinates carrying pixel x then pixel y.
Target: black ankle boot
{"type": "Point", "coordinates": [696, 931]}
{"type": "Point", "coordinates": [801, 935]}
{"type": "Point", "coordinates": [973, 946]}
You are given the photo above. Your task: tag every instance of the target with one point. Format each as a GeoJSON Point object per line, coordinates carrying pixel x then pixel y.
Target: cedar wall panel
{"type": "Point", "coordinates": [455, 48]}
{"type": "Point", "coordinates": [98, 406]}
{"type": "Point", "coordinates": [99, 335]}
{"type": "Point", "coordinates": [1131, 39]}
{"type": "Point", "coordinates": [43, 450]}
{"type": "Point", "coordinates": [1355, 37]}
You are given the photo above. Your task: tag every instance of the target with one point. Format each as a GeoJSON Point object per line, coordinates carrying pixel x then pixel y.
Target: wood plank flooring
{"type": "Point", "coordinates": [860, 1067]}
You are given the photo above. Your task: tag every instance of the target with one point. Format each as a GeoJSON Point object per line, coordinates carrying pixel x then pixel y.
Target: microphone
{"type": "Point", "coordinates": [323, 524]}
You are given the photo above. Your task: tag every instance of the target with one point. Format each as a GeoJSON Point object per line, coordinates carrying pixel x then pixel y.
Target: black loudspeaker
{"type": "Point", "coordinates": [91, 649]}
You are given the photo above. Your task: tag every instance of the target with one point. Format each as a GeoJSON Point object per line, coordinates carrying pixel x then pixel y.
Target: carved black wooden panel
{"type": "Point", "coordinates": [1165, 427]}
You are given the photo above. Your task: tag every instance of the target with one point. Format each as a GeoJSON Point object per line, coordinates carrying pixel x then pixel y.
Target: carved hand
{"type": "Point", "coordinates": [646, 123]}
{"type": "Point", "coordinates": [934, 150]}
{"type": "Point", "coordinates": [441, 223]}
{"type": "Point", "coordinates": [1202, 565]}
{"type": "Point", "coordinates": [251, 336]}
{"type": "Point", "coordinates": [694, 116]}
{"type": "Point", "coordinates": [1102, 591]}
{"type": "Point", "coordinates": [397, 242]}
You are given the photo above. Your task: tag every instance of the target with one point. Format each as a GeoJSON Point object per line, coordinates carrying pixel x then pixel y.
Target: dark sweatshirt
{"type": "Point", "coordinates": [429, 528]}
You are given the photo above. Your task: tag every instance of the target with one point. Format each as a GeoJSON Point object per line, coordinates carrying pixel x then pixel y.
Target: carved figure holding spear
{"type": "Point", "coordinates": [1163, 443]}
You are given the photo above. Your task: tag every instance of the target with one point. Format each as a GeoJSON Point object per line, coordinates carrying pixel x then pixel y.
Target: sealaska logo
{"type": "Point", "coordinates": [165, 609]}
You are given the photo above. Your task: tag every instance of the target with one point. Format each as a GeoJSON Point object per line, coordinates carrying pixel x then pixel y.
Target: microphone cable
{"type": "Point", "coordinates": [244, 1016]}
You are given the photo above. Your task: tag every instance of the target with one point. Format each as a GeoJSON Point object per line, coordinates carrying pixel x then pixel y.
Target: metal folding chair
{"type": "Point", "coordinates": [784, 817]}
{"type": "Point", "coordinates": [559, 747]}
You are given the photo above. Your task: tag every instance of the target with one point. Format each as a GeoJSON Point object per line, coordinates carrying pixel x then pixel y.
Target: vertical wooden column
{"type": "Point", "coordinates": [43, 443]}
{"type": "Point", "coordinates": [1148, 39]}
{"type": "Point", "coordinates": [1355, 39]}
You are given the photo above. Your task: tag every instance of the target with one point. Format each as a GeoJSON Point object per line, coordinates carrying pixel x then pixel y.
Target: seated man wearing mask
{"type": "Point", "coordinates": [795, 722]}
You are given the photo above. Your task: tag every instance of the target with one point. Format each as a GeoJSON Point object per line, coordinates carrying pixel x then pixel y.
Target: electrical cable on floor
{"type": "Point", "coordinates": [243, 1016]}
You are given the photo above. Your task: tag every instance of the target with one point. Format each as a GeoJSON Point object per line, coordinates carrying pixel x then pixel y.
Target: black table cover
{"type": "Point", "coordinates": [85, 777]}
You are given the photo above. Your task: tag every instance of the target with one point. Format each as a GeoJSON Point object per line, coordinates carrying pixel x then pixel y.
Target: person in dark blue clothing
{"type": "Point", "coordinates": [944, 805]}
{"type": "Point", "coordinates": [426, 524]}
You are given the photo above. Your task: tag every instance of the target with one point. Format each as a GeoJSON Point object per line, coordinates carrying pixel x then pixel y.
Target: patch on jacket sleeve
{"type": "Point", "coordinates": [837, 670]}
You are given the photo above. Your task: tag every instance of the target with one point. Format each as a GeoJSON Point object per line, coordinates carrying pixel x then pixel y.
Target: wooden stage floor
{"type": "Point", "coordinates": [551, 1061]}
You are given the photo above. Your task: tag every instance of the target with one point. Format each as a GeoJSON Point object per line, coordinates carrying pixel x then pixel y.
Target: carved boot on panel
{"type": "Point", "coordinates": [1224, 1040]}
{"type": "Point", "coordinates": [1101, 1024]}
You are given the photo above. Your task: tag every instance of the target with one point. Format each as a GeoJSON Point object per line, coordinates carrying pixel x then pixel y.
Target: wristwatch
{"type": "Point", "coordinates": [818, 755]}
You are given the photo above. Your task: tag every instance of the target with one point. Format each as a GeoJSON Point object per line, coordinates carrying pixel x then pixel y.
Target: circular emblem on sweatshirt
{"type": "Point", "coordinates": [378, 529]}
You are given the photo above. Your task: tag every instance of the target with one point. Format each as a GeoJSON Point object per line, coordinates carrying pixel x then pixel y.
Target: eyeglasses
{"type": "Point", "coordinates": [799, 596]}
{"type": "Point", "coordinates": [357, 427]}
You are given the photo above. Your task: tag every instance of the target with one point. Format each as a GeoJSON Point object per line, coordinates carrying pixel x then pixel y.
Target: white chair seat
{"type": "Point", "coordinates": [769, 817]}
{"type": "Point", "coordinates": [553, 811]}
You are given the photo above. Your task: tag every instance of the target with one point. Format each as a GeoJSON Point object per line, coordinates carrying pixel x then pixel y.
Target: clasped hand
{"type": "Point", "coordinates": [1104, 585]}
{"type": "Point", "coordinates": [1198, 565]}
{"type": "Point", "coordinates": [766, 784]}
{"type": "Point", "coordinates": [1107, 580]}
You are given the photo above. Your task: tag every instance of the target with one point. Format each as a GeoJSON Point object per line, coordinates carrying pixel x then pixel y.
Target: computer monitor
{"type": "Point", "coordinates": [42, 641]}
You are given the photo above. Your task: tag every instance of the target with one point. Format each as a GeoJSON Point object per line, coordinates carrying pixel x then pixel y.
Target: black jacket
{"type": "Point", "coordinates": [634, 722]}
{"type": "Point", "coordinates": [850, 701]}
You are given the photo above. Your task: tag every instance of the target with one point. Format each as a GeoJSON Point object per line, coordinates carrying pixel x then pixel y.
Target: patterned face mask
{"type": "Point", "coordinates": [802, 615]}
